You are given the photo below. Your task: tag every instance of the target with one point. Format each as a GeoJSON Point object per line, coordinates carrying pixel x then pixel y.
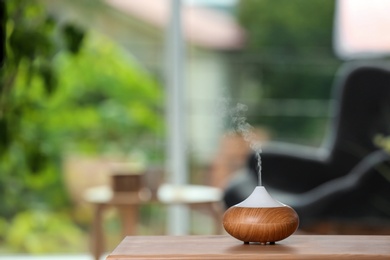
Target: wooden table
{"type": "Point", "coordinates": [228, 248]}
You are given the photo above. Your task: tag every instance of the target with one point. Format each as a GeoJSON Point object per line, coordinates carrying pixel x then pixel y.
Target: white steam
{"type": "Point", "coordinates": [247, 131]}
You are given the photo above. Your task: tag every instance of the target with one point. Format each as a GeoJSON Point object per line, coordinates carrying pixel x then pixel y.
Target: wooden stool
{"type": "Point", "coordinates": [128, 202]}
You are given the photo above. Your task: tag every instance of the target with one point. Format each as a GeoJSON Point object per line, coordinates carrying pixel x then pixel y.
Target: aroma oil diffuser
{"type": "Point", "coordinates": [260, 218]}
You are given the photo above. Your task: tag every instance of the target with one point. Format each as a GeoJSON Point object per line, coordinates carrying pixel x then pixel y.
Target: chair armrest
{"type": "Point", "coordinates": [315, 201]}
{"type": "Point", "coordinates": [292, 168]}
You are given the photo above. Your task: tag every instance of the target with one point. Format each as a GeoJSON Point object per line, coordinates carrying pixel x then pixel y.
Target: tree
{"type": "Point", "coordinates": [290, 53]}
{"type": "Point", "coordinates": [61, 89]}
{"type": "Point", "coordinates": [28, 79]}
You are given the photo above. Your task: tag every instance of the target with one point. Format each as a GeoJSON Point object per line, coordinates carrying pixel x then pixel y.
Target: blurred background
{"type": "Point", "coordinates": [83, 87]}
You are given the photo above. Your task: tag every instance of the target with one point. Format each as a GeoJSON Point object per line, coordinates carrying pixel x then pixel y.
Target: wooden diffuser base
{"type": "Point", "coordinates": [261, 219]}
{"type": "Point", "coordinates": [260, 224]}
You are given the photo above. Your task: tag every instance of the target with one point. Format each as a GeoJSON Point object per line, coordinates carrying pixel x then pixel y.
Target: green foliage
{"type": "Point", "coordinates": [73, 37]}
{"type": "Point", "coordinates": [65, 91]}
{"type": "Point", "coordinates": [296, 27]}
{"type": "Point", "coordinates": [290, 53]}
{"type": "Point", "coordinates": [40, 232]}
{"type": "Point", "coordinates": [106, 102]}
{"type": "Point", "coordinates": [29, 161]}
{"type": "Point", "coordinates": [383, 142]}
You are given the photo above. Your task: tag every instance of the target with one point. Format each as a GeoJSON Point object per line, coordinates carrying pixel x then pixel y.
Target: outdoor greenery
{"type": "Point", "coordinates": [383, 142]}
{"type": "Point", "coordinates": [63, 90]}
{"type": "Point", "coordinates": [289, 54]}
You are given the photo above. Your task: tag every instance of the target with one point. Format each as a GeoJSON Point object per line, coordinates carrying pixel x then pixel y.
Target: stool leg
{"type": "Point", "coordinates": [97, 239]}
{"type": "Point", "coordinates": [129, 219]}
{"type": "Point", "coordinates": [216, 211]}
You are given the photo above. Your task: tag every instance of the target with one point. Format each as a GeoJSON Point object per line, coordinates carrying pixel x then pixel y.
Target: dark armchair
{"type": "Point", "coordinates": [348, 177]}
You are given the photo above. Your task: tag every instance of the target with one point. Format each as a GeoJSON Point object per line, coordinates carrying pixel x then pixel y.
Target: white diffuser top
{"type": "Point", "coordinates": [259, 198]}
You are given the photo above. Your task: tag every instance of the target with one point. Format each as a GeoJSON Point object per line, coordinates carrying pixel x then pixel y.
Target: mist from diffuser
{"type": "Point", "coordinates": [247, 131]}
{"type": "Point", "coordinates": [259, 218]}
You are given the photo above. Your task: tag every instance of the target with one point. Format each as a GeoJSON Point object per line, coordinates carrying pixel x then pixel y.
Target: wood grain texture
{"type": "Point", "coordinates": [225, 247]}
{"type": "Point", "coordinates": [260, 224]}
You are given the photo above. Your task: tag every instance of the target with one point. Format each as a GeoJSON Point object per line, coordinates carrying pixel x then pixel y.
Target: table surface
{"type": "Point", "coordinates": [226, 247]}
{"type": "Point", "coordinates": [167, 193]}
